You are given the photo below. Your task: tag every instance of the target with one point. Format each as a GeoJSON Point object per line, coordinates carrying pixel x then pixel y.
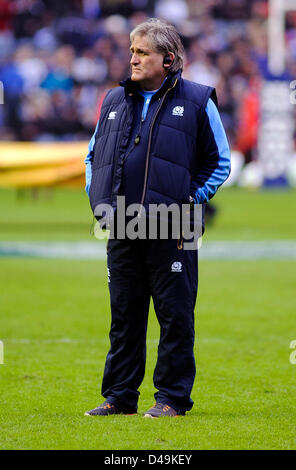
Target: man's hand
{"type": "Point", "coordinates": [192, 202]}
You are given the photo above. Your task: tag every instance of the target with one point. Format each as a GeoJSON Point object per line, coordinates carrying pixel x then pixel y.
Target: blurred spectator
{"type": "Point", "coordinates": [7, 10]}
{"type": "Point", "coordinates": [60, 75]}
{"type": "Point", "coordinates": [248, 121]}
{"type": "Point", "coordinates": [174, 11]}
{"type": "Point", "coordinates": [58, 58]}
{"type": "Point", "coordinates": [31, 68]}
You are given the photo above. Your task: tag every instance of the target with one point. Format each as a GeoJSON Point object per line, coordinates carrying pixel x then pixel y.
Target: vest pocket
{"type": "Point", "coordinates": [101, 182]}
{"type": "Point", "coordinates": [170, 179]}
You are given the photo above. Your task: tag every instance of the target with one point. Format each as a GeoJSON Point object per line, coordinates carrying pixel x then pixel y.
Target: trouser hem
{"type": "Point", "coordinates": [168, 401]}
{"type": "Point", "coordinates": [121, 406]}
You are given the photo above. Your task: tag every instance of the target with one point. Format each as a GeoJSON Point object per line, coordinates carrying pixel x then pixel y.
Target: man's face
{"type": "Point", "coordinates": [147, 65]}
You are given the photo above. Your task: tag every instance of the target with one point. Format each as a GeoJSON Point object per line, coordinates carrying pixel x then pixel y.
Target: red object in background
{"type": "Point", "coordinates": [100, 102]}
{"type": "Point", "coordinates": [7, 10]}
{"type": "Point", "coordinates": [247, 133]}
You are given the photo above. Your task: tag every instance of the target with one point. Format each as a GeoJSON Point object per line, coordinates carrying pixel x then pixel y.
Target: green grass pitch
{"type": "Point", "coordinates": [55, 323]}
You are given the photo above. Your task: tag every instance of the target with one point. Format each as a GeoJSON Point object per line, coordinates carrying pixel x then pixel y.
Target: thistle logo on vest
{"type": "Point", "coordinates": [178, 111]}
{"type": "Point", "coordinates": [176, 267]}
{"type": "Point", "coordinates": [112, 115]}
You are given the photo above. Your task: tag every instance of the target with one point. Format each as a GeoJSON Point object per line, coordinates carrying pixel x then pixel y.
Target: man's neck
{"type": "Point", "coordinates": [154, 86]}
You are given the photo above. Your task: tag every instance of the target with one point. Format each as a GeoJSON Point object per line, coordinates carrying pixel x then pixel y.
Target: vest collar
{"type": "Point", "coordinates": [131, 86]}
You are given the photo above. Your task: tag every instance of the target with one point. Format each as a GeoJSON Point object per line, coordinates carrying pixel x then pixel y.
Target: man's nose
{"type": "Point", "coordinates": [134, 59]}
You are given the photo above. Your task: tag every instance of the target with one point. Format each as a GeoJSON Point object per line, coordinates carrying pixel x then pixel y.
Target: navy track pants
{"type": "Point", "coordinates": [139, 270]}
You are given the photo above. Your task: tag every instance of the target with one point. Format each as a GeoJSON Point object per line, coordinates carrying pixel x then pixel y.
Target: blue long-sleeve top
{"type": "Point", "coordinates": [213, 154]}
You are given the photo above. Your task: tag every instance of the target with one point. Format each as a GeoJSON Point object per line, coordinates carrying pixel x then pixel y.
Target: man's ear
{"type": "Point", "coordinates": [168, 60]}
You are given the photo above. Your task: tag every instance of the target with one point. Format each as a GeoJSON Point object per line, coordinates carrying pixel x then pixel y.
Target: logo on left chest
{"type": "Point", "coordinates": [178, 111]}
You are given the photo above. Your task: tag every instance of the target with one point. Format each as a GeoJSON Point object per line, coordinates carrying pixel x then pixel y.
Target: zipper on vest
{"type": "Point", "coordinates": [136, 141]}
{"type": "Point", "coordinates": [116, 158]}
{"type": "Point", "coordinates": [149, 145]}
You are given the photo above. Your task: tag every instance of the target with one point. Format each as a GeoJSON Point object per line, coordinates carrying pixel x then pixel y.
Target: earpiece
{"type": "Point", "coordinates": [167, 60]}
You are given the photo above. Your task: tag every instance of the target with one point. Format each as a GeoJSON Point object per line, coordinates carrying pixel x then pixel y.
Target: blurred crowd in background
{"type": "Point", "coordinates": [57, 59]}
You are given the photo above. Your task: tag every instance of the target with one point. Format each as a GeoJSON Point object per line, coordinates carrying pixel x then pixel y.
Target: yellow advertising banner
{"type": "Point", "coordinates": [31, 164]}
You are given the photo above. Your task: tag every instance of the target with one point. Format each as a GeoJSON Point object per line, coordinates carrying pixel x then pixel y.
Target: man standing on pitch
{"type": "Point", "coordinates": [159, 140]}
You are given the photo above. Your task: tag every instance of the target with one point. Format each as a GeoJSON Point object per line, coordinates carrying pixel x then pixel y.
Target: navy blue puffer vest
{"type": "Point", "coordinates": [171, 157]}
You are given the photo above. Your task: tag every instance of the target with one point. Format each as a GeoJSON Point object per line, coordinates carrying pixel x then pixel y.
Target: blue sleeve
{"type": "Point", "coordinates": [213, 155]}
{"type": "Point", "coordinates": [89, 159]}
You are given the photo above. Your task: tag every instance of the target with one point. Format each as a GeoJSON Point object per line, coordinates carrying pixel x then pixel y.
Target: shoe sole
{"type": "Point", "coordinates": [124, 414]}
{"type": "Point", "coordinates": [161, 416]}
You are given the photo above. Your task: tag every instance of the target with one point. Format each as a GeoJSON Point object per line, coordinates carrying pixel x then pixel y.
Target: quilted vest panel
{"type": "Point", "coordinates": [172, 160]}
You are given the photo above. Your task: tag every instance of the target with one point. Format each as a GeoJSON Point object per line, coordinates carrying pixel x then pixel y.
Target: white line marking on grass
{"type": "Point", "coordinates": [90, 341]}
{"type": "Point", "coordinates": [60, 250]}
{"type": "Point", "coordinates": [39, 341]}
{"type": "Point", "coordinates": [53, 341]}
{"type": "Point", "coordinates": [249, 250]}
{"type": "Point", "coordinates": [223, 250]}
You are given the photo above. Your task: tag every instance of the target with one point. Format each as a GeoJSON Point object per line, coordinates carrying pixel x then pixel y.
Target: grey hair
{"type": "Point", "coordinates": [163, 38]}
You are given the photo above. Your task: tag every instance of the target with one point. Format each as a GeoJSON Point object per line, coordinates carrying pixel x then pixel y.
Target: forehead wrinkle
{"type": "Point", "coordinates": [146, 47]}
{"type": "Point", "coordinates": [138, 49]}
